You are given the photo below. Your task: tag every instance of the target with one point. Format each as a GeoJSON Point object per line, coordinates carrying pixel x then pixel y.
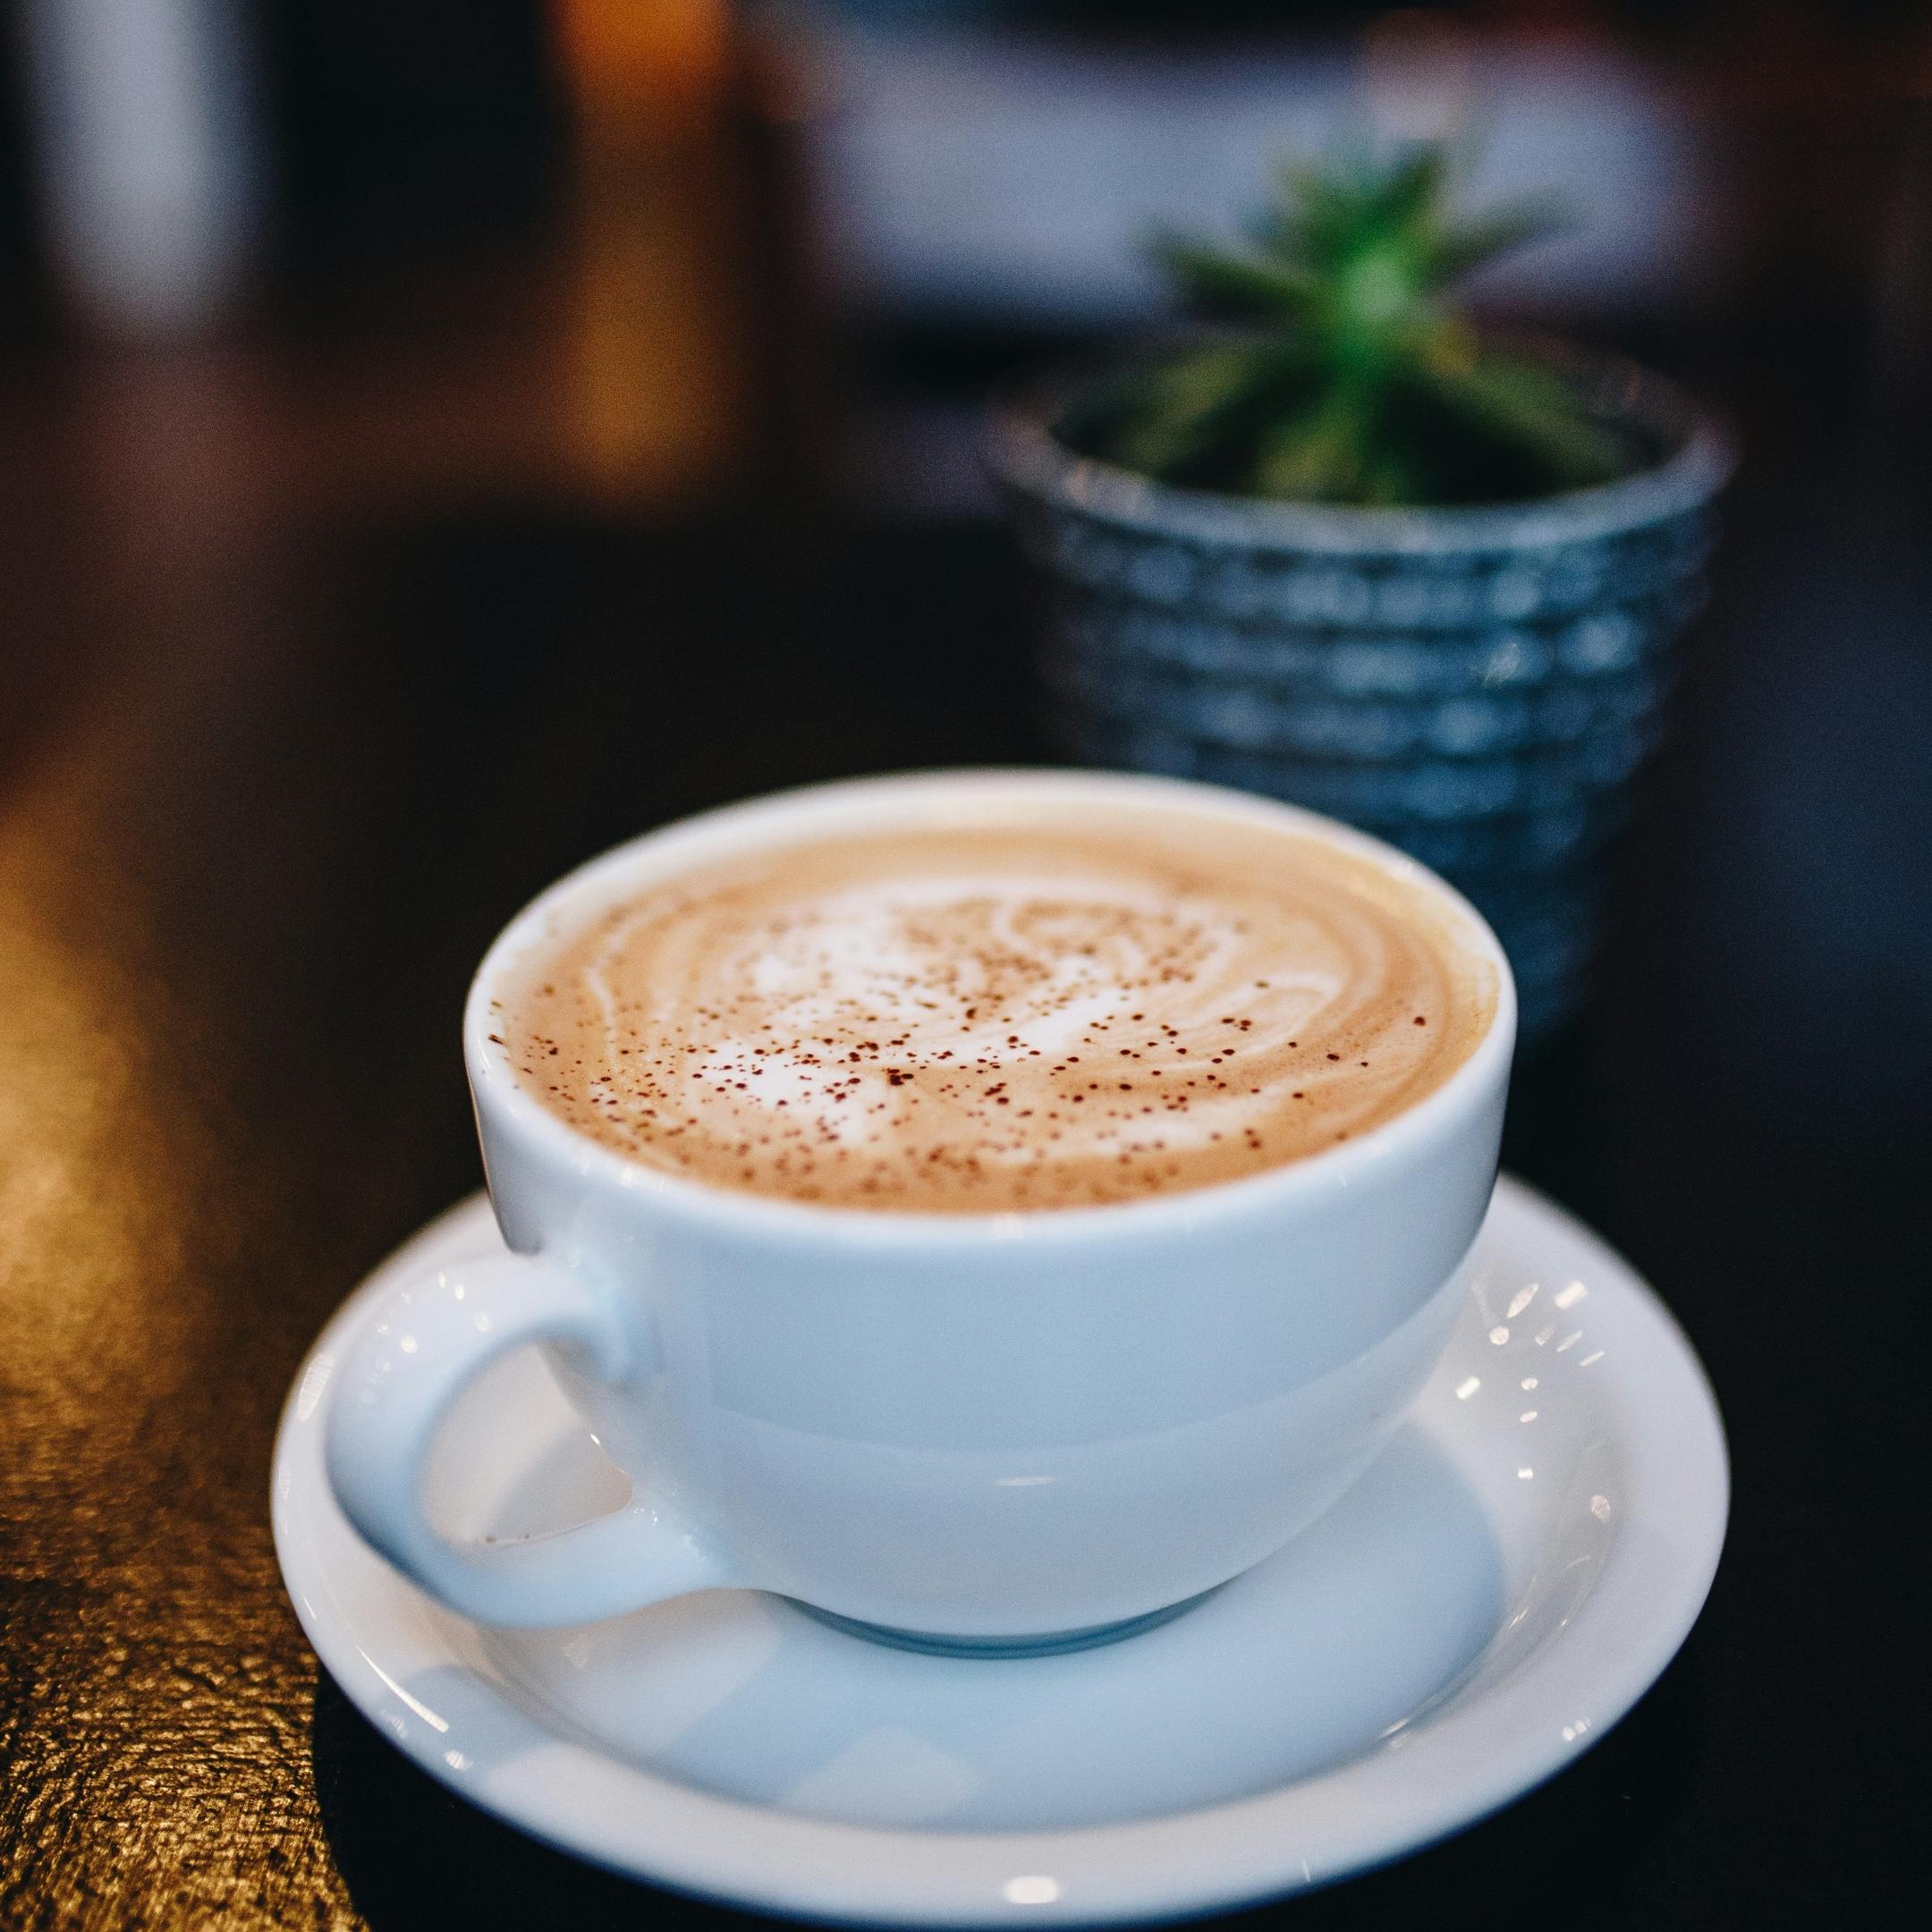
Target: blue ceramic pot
{"type": "Point", "coordinates": [1477, 685]}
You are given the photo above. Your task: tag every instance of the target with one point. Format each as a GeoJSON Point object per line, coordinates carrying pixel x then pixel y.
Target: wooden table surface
{"type": "Point", "coordinates": [275, 765]}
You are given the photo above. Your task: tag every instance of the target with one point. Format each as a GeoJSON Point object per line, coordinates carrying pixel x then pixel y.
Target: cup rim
{"type": "Point", "coordinates": [496, 1088]}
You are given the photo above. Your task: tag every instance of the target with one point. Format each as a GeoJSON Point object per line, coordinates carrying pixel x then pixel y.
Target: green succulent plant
{"type": "Point", "coordinates": [1355, 377]}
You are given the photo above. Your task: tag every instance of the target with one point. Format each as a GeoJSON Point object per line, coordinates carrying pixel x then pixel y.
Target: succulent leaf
{"type": "Point", "coordinates": [1519, 404]}
{"type": "Point", "coordinates": [1362, 382]}
{"type": "Point", "coordinates": [1473, 244]}
{"type": "Point", "coordinates": [1176, 412]}
{"type": "Point", "coordinates": [1318, 457]}
{"type": "Point", "coordinates": [1221, 281]}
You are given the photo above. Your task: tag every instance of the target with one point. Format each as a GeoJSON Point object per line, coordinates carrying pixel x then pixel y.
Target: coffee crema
{"type": "Point", "coordinates": [1001, 1017]}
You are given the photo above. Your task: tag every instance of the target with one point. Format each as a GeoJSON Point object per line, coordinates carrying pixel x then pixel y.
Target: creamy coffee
{"type": "Point", "coordinates": [1012, 1015]}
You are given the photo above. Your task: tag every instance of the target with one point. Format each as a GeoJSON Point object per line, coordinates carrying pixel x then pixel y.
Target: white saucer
{"type": "Point", "coordinates": [1496, 1592]}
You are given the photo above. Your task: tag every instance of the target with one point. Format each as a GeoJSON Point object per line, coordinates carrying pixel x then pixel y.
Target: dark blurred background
{"type": "Point", "coordinates": [441, 437]}
{"type": "Point", "coordinates": [646, 251]}
{"type": "Point", "coordinates": [684, 244]}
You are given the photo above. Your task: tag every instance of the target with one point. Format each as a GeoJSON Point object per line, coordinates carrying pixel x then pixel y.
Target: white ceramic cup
{"type": "Point", "coordinates": [1013, 1430]}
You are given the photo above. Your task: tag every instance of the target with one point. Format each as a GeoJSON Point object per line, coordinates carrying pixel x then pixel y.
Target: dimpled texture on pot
{"type": "Point", "coordinates": [1477, 685]}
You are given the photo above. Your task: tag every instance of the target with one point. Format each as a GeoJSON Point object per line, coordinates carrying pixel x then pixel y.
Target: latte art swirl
{"type": "Point", "coordinates": [1001, 1018]}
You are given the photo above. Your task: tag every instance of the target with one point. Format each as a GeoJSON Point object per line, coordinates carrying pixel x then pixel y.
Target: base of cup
{"type": "Point", "coordinates": [1051, 1643]}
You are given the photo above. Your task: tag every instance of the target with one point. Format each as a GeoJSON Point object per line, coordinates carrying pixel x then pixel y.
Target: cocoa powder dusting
{"type": "Point", "coordinates": [897, 1021]}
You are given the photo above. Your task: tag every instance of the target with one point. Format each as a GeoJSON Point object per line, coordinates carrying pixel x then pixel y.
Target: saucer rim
{"type": "Point", "coordinates": [1363, 1812]}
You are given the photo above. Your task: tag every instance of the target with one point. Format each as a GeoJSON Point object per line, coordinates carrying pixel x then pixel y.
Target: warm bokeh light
{"type": "Point", "coordinates": [638, 67]}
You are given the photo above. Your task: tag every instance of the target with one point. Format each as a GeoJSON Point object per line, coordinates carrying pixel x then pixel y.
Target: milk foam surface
{"type": "Point", "coordinates": [1001, 1017]}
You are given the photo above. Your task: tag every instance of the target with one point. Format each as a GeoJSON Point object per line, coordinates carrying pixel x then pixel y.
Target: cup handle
{"type": "Point", "coordinates": [421, 1346]}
